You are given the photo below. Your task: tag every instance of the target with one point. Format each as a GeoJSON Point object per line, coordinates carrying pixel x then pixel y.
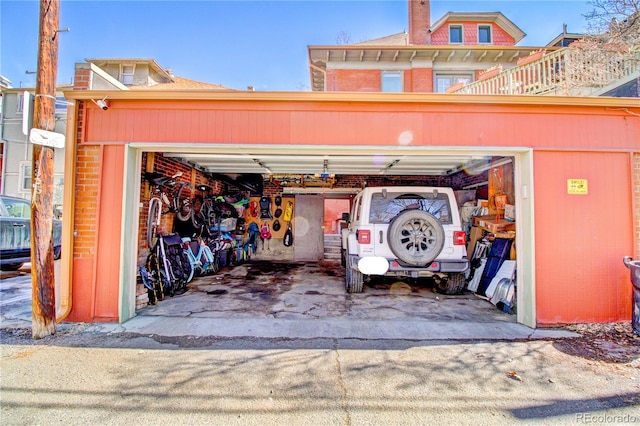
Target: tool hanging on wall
{"type": "Point", "coordinates": [278, 203]}
{"type": "Point", "coordinates": [287, 217]}
{"type": "Point", "coordinates": [265, 234]}
{"type": "Point", "coordinates": [288, 236]}
{"type": "Point", "coordinates": [265, 207]}
{"type": "Point", "coordinates": [253, 208]}
{"type": "Point", "coordinates": [288, 212]}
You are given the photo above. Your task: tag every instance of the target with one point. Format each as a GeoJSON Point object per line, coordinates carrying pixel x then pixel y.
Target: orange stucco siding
{"type": "Point", "coordinates": [99, 171]}
{"type": "Point", "coordinates": [580, 240]}
{"type": "Point", "coordinates": [635, 165]}
{"type": "Point", "coordinates": [340, 124]}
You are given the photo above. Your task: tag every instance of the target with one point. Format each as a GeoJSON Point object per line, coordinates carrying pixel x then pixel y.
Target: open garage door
{"type": "Point", "coordinates": [311, 175]}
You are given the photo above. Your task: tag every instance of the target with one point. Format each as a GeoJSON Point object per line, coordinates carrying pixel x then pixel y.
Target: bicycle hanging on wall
{"type": "Point", "coordinates": [167, 196]}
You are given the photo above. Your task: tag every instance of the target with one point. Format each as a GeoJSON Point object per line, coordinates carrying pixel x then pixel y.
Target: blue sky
{"type": "Point", "coordinates": [238, 43]}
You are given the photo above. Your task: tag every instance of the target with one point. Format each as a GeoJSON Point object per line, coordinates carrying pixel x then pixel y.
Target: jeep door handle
{"type": "Point", "coordinates": [20, 225]}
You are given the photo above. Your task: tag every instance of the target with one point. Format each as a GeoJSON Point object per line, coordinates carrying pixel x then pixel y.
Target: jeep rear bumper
{"type": "Point", "coordinates": [373, 265]}
{"type": "Point", "coordinates": [435, 266]}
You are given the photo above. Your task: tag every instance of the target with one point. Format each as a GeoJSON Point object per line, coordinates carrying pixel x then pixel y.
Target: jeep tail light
{"type": "Point", "coordinates": [459, 238]}
{"type": "Point", "coordinates": [364, 236]}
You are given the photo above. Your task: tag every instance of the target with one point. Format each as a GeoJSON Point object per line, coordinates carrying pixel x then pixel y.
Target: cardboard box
{"type": "Point", "coordinates": [475, 234]}
{"type": "Point", "coordinates": [492, 225]}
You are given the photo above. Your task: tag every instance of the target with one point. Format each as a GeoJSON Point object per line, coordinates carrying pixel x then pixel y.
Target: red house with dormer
{"type": "Point", "coordinates": [429, 58]}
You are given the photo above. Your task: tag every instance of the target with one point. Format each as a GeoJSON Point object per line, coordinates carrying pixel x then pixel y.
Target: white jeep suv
{"type": "Point", "coordinates": [405, 231]}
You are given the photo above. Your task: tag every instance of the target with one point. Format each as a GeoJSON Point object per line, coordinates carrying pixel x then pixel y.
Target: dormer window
{"type": "Point", "coordinates": [126, 74]}
{"type": "Point", "coordinates": [484, 34]}
{"type": "Point", "coordinates": [455, 34]}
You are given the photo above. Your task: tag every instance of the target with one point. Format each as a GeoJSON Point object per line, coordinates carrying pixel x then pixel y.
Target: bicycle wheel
{"type": "Point", "coordinates": [192, 263]}
{"type": "Point", "coordinates": [182, 202]}
{"type": "Point", "coordinates": [153, 220]}
{"type": "Point", "coordinates": [153, 267]}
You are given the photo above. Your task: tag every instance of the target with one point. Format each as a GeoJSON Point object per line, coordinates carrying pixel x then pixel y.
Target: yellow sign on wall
{"type": "Point", "coordinates": [577, 186]}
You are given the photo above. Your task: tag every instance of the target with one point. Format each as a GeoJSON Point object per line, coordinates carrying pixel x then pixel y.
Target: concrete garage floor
{"type": "Point", "coordinates": [301, 290]}
{"type": "Point", "coordinates": [308, 300]}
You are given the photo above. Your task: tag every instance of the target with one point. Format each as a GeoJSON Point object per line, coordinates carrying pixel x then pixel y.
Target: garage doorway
{"type": "Point", "coordinates": [308, 236]}
{"type": "Point", "coordinates": [333, 209]}
{"type": "Point", "coordinates": [522, 159]}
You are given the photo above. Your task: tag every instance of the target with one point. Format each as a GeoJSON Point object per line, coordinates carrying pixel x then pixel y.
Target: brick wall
{"type": "Point", "coordinates": [415, 80]}
{"type": "Point", "coordinates": [168, 167]}
{"type": "Point", "coordinates": [353, 80]}
{"type": "Point", "coordinates": [418, 80]}
{"type": "Point", "coordinates": [419, 21]}
{"type": "Point", "coordinates": [82, 77]}
{"type": "Point", "coordinates": [88, 160]}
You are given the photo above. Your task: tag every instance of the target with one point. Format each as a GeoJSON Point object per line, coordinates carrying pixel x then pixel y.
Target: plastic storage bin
{"type": "Point", "coordinates": [634, 267]}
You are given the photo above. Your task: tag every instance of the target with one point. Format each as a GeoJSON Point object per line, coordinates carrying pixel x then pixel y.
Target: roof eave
{"type": "Point", "coordinates": [350, 97]}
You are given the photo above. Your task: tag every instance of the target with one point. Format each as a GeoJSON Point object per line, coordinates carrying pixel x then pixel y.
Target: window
{"type": "Point", "coordinates": [25, 176]}
{"type": "Point", "coordinates": [18, 208]}
{"type": "Point", "coordinates": [443, 81]}
{"type": "Point", "coordinates": [385, 208]}
{"type": "Point", "coordinates": [61, 104]}
{"type": "Point", "coordinates": [392, 81]}
{"type": "Point", "coordinates": [455, 34]}
{"type": "Point", "coordinates": [126, 74]}
{"type": "Point", "coordinates": [484, 34]}
{"type": "Point", "coordinates": [20, 106]}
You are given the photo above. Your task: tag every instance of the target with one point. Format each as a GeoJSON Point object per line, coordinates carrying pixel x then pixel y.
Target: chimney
{"type": "Point", "coordinates": [419, 22]}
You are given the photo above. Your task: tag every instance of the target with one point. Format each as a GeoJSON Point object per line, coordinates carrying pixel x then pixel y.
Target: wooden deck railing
{"type": "Point", "coordinates": [563, 72]}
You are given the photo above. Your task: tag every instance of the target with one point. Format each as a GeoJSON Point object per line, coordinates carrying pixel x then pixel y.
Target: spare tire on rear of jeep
{"type": "Point", "coordinates": [415, 237]}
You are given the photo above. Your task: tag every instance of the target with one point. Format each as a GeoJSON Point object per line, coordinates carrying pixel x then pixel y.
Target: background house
{"type": "Point", "coordinates": [94, 74]}
{"type": "Point", "coordinates": [430, 57]}
{"type": "Point", "coordinates": [16, 148]}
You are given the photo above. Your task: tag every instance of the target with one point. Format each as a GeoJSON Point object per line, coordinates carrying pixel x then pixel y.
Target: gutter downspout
{"type": "Point", "coordinates": [3, 171]}
{"type": "Point", "coordinates": [68, 208]}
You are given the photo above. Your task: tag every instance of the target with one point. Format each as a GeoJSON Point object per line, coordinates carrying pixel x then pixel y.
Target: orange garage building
{"type": "Point", "coordinates": [570, 243]}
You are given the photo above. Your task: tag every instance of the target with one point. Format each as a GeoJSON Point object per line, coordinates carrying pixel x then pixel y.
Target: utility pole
{"type": "Point", "coordinates": [42, 271]}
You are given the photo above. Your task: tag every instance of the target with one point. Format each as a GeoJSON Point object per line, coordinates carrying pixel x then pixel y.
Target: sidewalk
{"type": "Point", "coordinates": [233, 351]}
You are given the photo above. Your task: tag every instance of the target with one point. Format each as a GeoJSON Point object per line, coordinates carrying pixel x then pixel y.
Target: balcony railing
{"type": "Point", "coordinates": [565, 72]}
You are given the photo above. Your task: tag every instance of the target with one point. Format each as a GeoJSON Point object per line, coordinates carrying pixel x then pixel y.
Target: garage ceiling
{"type": "Point", "coordinates": [361, 164]}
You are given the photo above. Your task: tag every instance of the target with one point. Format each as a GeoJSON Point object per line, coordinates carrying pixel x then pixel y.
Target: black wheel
{"type": "Point", "coordinates": [453, 284]}
{"type": "Point", "coordinates": [153, 221]}
{"type": "Point", "coordinates": [353, 278]}
{"type": "Point", "coordinates": [183, 200]}
{"type": "Point", "coordinates": [343, 257]}
{"type": "Point", "coordinates": [11, 266]}
{"type": "Point", "coordinates": [415, 237]}
{"type": "Point", "coordinates": [153, 268]}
